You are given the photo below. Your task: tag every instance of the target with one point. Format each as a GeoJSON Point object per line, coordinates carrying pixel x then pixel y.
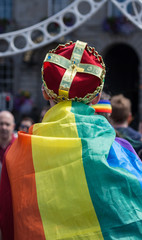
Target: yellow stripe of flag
{"type": "Point", "coordinates": [63, 197]}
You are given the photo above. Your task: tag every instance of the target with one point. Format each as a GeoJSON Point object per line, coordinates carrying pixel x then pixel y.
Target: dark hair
{"type": "Point", "coordinates": [121, 108]}
{"type": "Point", "coordinates": [27, 119]}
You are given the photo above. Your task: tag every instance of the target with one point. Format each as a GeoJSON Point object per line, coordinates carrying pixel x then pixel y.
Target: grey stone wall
{"type": "Point", "coordinates": [27, 13]}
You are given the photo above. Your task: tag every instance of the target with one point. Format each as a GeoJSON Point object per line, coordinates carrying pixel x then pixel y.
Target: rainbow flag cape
{"type": "Point", "coordinates": [70, 179]}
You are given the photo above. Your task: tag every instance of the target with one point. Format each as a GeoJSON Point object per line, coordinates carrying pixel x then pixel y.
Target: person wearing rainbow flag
{"type": "Point", "coordinates": [70, 177]}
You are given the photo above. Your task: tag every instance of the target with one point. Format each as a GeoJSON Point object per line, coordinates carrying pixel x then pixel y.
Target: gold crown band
{"type": "Point", "coordinates": [80, 67]}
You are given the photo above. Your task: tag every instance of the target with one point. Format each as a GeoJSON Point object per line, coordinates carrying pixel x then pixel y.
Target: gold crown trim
{"type": "Point", "coordinates": [87, 99]}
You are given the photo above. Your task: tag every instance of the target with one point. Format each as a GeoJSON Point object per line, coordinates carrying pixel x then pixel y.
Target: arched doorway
{"type": "Point", "coordinates": [122, 74]}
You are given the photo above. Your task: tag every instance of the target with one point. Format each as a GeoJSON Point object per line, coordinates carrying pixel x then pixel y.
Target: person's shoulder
{"type": "Point", "coordinates": [134, 134]}
{"type": "Point", "coordinates": [14, 136]}
{"type": "Point", "coordinates": [129, 132]}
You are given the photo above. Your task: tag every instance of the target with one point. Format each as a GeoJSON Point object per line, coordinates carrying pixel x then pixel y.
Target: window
{"type": "Point", "coordinates": [55, 6]}
{"type": "Point", "coordinates": [6, 9]}
{"type": "Point", "coordinates": [5, 14]}
{"type": "Point", "coordinates": [6, 75]}
{"type": "Point", "coordinates": [113, 10]}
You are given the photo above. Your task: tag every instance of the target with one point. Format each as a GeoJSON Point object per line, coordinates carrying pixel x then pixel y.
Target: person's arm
{"type": "Point", "coordinates": [6, 211]}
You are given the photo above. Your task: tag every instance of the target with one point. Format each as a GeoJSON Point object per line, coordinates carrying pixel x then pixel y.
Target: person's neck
{"type": "Point", "coordinates": [5, 142]}
{"type": "Point", "coordinates": [120, 125]}
{"type": "Point", "coordinates": [52, 103]}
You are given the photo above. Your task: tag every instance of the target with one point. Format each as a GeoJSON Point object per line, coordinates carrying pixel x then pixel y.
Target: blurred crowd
{"type": "Point", "coordinates": [11, 123]}
{"type": "Point", "coordinates": [118, 111]}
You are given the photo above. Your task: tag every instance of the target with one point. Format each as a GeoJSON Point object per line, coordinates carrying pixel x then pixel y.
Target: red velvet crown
{"type": "Point", "coordinates": [73, 71]}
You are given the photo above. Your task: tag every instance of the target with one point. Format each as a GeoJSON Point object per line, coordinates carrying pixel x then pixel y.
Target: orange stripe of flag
{"type": "Point", "coordinates": [27, 219]}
